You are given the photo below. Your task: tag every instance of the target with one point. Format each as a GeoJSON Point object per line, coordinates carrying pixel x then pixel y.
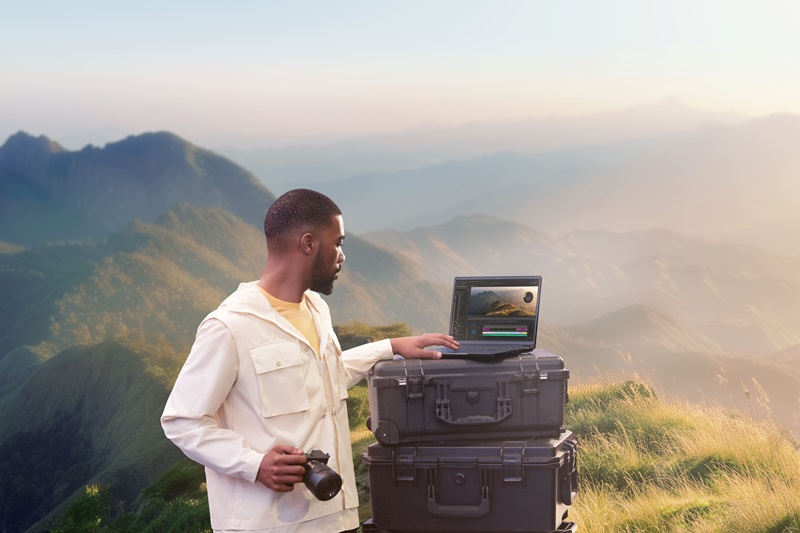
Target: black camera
{"type": "Point", "coordinates": [321, 479]}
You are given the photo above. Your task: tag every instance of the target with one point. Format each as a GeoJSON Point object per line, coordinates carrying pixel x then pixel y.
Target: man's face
{"type": "Point", "coordinates": [328, 257]}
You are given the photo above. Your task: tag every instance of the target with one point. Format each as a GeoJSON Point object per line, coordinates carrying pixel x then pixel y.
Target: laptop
{"type": "Point", "coordinates": [494, 316]}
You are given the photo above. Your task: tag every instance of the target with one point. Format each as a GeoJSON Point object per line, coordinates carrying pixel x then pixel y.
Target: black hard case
{"type": "Point", "coordinates": [494, 486]}
{"type": "Point", "coordinates": [420, 400]}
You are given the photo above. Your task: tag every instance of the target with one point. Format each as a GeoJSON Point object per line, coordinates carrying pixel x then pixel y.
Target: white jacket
{"type": "Point", "coordinates": [252, 381]}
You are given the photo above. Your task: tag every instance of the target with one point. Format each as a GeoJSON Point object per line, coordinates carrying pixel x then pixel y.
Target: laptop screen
{"type": "Point", "coordinates": [499, 309]}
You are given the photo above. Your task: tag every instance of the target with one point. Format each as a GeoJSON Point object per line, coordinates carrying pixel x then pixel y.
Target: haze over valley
{"type": "Point", "coordinates": [668, 251]}
{"type": "Point", "coordinates": [732, 183]}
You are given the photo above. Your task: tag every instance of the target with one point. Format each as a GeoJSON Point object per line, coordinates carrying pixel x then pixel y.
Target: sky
{"type": "Point", "coordinates": [249, 74]}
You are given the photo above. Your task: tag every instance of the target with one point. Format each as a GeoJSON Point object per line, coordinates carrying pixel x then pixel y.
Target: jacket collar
{"type": "Point", "coordinates": [248, 299]}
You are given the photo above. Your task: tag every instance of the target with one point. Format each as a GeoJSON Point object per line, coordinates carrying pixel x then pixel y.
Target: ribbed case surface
{"type": "Point", "coordinates": [419, 400]}
{"type": "Point", "coordinates": [485, 486]}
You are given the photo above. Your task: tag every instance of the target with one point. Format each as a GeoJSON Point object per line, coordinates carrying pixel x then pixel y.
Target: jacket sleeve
{"type": "Point", "coordinates": [359, 360]}
{"type": "Point", "coordinates": [190, 416]}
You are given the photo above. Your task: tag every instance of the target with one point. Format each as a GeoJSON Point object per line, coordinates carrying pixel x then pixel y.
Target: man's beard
{"type": "Point", "coordinates": [320, 281]}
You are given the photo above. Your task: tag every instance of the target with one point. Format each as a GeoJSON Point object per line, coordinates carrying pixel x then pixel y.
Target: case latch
{"type": "Point", "coordinates": [414, 388]}
{"type": "Point", "coordinates": [414, 384]}
{"type": "Point", "coordinates": [404, 467]}
{"type": "Point", "coordinates": [530, 380]}
{"type": "Point", "coordinates": [512, 461]}
{"type": "Point", "coordinates": [530, 383]}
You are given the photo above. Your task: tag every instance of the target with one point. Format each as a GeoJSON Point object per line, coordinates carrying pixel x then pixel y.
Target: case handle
{"type": "Point", "coordinates": [458, 511]}
{"type": "Point", "coordinates": [444, 415]}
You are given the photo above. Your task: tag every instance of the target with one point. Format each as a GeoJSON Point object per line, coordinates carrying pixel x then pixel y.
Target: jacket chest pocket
{"type": "Point", "coordinates": [281, 371]}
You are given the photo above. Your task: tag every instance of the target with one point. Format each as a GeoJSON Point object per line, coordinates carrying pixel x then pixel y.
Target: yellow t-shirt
{"type": "Point", "coordinates": [298, 315]}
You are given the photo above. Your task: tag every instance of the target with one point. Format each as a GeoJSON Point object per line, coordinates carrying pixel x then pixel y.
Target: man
{"type": "Point", "coordinates": [266, 380]}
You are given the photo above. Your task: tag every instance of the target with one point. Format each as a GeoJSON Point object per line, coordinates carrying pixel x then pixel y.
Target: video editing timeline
{"type": "Point", "coordinates": [498, 310]}
{"type": "Point", "coordinates": [501, 331]}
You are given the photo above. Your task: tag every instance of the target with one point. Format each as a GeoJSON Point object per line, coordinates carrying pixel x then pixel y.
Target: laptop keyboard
{"type": "Point", "coordinates": [484, 348]}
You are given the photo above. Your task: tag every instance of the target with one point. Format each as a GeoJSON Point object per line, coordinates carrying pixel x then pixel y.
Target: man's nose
{"type": "Point", "coordinates": [341, 257]}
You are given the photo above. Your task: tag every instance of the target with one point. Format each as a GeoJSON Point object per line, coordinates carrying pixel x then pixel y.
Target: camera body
{"type": "Point", "coordinates": [321, 480]}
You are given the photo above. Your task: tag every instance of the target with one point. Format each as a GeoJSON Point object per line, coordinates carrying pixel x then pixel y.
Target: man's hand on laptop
{"type": "Point", "coordinates": [414, 347]}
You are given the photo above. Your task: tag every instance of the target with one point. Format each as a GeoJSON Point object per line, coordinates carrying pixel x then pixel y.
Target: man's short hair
{"type": "Point", "coordinates": [298, 209]}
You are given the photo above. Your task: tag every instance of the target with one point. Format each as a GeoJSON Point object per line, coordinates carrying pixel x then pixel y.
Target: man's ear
{"type": "Point", "coordinates": [307, 243]}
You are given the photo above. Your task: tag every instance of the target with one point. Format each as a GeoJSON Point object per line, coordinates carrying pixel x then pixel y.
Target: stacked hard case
{"type": "Point", "coordinates": [466, 445]}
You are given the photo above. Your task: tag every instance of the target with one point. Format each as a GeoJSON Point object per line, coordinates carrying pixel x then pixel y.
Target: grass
{"type": "Point", "coordinates": [653, 466]}
{"type": "Point", "coordinates": [360, 438]}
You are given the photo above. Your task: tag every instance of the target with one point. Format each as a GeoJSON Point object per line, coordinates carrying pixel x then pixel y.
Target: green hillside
{"type": "Point", "coordinates": [10, 248]}
{"type": "Point", "coordinates": [87, 415]}
{"type": "Point", "coordinates": [76, 409]}
{"type": "Point", "coordinates": [135, 300]}
{"type": "Point", "coordinates": [645, 465]}
{"type": "Point", "coordinates": [152, 284]}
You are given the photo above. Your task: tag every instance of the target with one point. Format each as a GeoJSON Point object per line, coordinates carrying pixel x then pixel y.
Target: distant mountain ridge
{"type": "Point", "coordinates": [50, 194]}
{"type": "Point", "coordinates": [432, 145]}
{"type": "Point", "coordinates": [591, 272]}
{"type": "Point", "coordinates": [679, 360]}
{"type": "Point", "coordinates": [703, 320]}
{"type": "Point", "coordinates": [737, 181]}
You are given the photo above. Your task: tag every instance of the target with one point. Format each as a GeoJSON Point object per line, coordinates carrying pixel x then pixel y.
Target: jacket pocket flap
{"type": "Point", "coordinates": [276, 355]}
{"type": "Point", "coordinates": [281, 376]}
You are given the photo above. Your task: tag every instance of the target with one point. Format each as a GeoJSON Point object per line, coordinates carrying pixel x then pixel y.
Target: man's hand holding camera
{"type": "Point", "coordinates": [279, 466]}
{"type": "Point", "coordinates": [282, 467]}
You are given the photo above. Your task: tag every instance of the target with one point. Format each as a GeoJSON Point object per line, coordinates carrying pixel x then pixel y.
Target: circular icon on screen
{"type": "Point", "coordinates": [528, 297]}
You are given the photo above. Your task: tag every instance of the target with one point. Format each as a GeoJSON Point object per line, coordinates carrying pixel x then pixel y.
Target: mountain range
{"type": "Point", "coordinates": [115, 254]}
{"type": "Point", "coordinates": [701, 319]}
{"type": "Point", "coordinates": [48, 193]}
{"type": "Point", "coordinates": [723, 182]}
{"type": "Point", "coordinates": [746, 296]}
{"type": "Point", "coordinates": [313, 164]}
{"type": "Point", "coordinates": [101, 323]}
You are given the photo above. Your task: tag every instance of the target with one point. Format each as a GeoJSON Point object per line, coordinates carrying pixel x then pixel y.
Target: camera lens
{"type": "Point", "coordinates": [322, 480]}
